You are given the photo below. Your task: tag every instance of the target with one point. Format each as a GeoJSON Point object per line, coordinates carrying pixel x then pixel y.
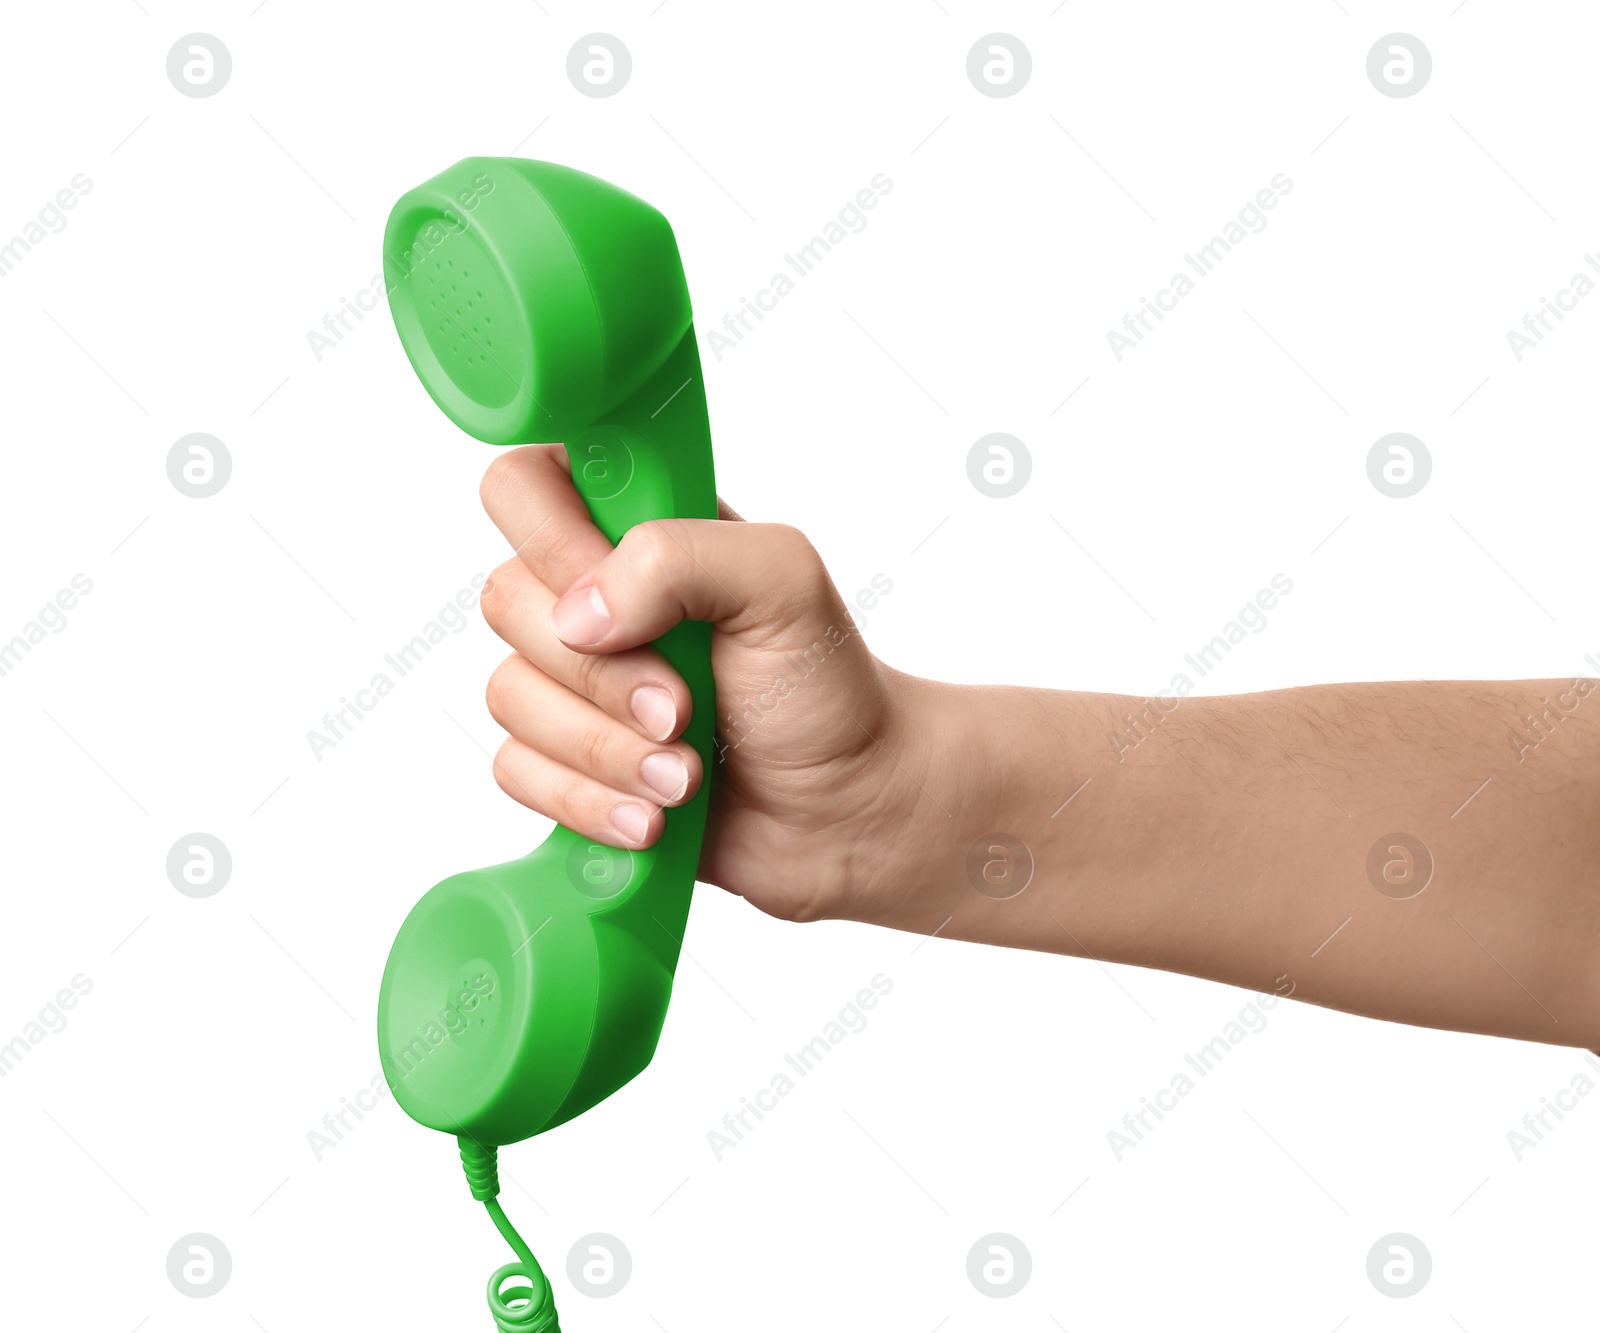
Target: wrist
{"type": "Point", "coordinates": [952, 846]}
{"type": "Point", "coordinates": [1019, 822]}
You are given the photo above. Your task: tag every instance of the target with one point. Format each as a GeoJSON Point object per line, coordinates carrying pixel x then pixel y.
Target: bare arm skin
{"type": "Point", "coordinates": [1237, 843]}
{"type": "Point", "coordinates": [1422, 852]}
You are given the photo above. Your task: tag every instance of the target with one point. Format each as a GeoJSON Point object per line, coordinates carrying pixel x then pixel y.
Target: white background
{"type": "Point", "coordinates": [1223, 450]}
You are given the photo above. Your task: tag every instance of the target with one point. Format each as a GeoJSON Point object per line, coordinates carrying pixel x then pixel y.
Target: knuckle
{"type": "Point", "coordinates": [495, 599]}
{"type": "Point", "coordinates": [650, 551]}
{"type": "Point", "coordinates": [797, 551]}
{"type": "Point", "coordinates": [587, 675]}
{"type": "Point", "coordinates": [574, 799]}
{"type": "Point", "coordinates": [555, 550]}
{"type": "Point", "coordinates": [501, 690]}
{"type": "Point", "coordinates": [594, 751]}
{"type": "Point", "coordinates": [505, 776]}
{"type": "Point", "coordinates": [501, 767]}
{"type": "Point", "coordinates": [805, 586]}
{"type": "Point", "coordinates": [495, 475]}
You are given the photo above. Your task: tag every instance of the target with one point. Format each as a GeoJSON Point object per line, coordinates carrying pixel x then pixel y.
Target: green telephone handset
{"type": "Point", "coordinates": [537, 303]}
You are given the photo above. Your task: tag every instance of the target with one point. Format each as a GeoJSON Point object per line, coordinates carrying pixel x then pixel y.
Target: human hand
{"type": "Point", "coordinates": [811, 814]}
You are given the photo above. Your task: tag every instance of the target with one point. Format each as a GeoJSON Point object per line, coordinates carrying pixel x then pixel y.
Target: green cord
{"type": "Point", "coordinates": [528, 1308]}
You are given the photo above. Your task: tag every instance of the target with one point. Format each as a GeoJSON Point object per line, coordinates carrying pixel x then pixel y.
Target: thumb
{"type": "Point", "coordinates": [761, 582]}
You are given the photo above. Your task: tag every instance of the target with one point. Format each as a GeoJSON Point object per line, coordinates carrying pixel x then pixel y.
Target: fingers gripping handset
{"type": "Point", "coordinates": [540, 304]}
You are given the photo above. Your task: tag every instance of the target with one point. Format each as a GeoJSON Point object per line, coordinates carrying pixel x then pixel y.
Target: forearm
{"type": "Point", "coordinates": [1231, 838]}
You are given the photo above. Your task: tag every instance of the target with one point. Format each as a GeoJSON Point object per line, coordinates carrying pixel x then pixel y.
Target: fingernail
{"type": "Point", "coordinates": [656, 712]}
{"type": "Point", "coordinates": [580, 618]}
{"type": "Point", "coordinates": [632, 823]}
{"type": "Point", "coordinates": [666, 775]}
